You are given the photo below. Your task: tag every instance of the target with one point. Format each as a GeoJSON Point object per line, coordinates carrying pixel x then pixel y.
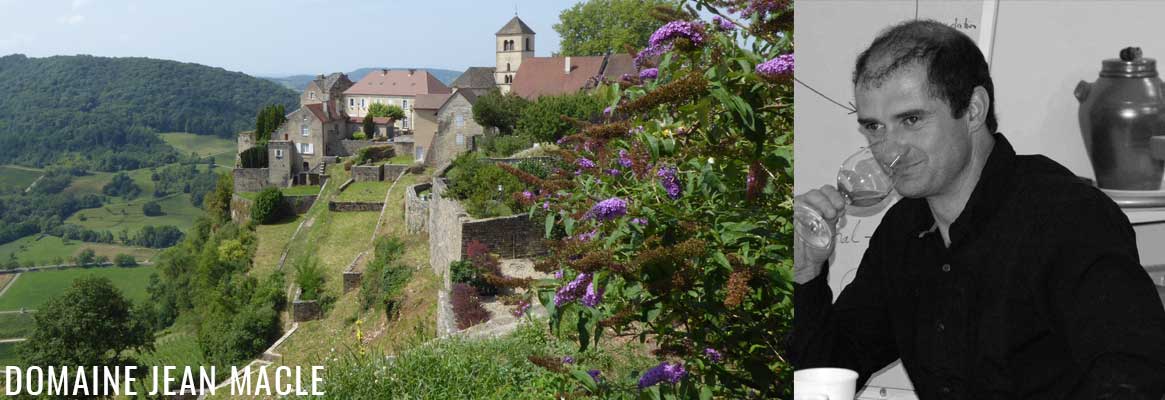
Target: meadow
{"type": "Point", "coordinates": [17, 177]}
{"type": "Point", "coordinates": [15, 325]}
{"type": "Point", "coordinates": [41, 249]}
{"type": "Point", "coordinates": [33, 289]}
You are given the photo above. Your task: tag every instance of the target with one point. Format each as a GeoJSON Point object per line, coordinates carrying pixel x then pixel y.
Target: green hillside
{"type": "Point", "coordinates": [105, 113]}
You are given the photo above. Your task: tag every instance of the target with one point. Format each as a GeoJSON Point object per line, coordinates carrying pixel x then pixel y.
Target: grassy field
{"type": "Point", "coordinates": [34, 289]}
{"type": "Point", "coordinates": [46, 250]}
{"type": "Point", "coordinates": [17, 177]}
{"type": "Point", "coordinates": [15, 325]}
{"type": "Point", "coordinates": [223, 150]}
{"type": "Point", "coordinates": [365, 191]}
{"type": "Point", "coordinates": [7, 355]}
{"type": "Point", "coordinates": [120, 214]}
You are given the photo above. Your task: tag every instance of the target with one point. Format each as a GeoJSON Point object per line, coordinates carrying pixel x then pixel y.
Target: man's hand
{"type": "Point", "coordinates": [808, 260]}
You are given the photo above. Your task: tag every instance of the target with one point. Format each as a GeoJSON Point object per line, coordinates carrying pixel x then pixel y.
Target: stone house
{"type": "Point", "coordinates": [399, 88]}
{"type": "Point", "coordinates": [445, 126]}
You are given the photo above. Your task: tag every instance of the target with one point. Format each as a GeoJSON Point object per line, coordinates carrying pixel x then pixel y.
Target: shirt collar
{"type": "Point", "coordinates": [990, 192]}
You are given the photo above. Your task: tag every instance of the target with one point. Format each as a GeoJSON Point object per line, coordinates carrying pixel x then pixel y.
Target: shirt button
{"type": "Point", "coordinates": [940, 327]}
{"type": "Point", "coordinates": [946, 268]}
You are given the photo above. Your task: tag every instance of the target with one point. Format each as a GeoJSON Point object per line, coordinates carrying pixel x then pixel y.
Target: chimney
{"type": "Point", "coordinates": [411, 71]}
{"type": "Point", "coordinates": [567, 69]}
{"type": "Point", "coordinates": [326, 110]}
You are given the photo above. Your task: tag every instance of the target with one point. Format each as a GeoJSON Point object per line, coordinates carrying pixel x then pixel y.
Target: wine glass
{"type": "Point", "coordinates": [863, 181]}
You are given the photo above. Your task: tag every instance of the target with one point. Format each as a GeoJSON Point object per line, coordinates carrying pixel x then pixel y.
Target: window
{"type": "Point", "coordinates": [507, 67]}
{"type": "Point", "coordinates": [460, 139]}
{"type": "Point", "coordinates": [278, 154]}
{"type": "Point", "coordinates": [404, 104]}
{"type": "Point", "coordinates": [304, 130]}
{"type": "Point", "coordinates": [404, 123]}
{"type": "Point", "coordinates": [527, 47]}
{"type": "Point", "coordinates": [306, 148]}
{"type": "Point", "coordinates": [460, 123]}
{"type": "Point", "coordinates": [351, 103]}
{"type": "Point", "coordinates": [362, 106]}
{"type": "Point", "coordinates": [311, 95]}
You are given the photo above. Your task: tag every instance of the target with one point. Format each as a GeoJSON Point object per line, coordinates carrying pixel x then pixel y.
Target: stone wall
{"type": "Point", "coordinates": [350, 147]}
{"type": "Point", "coordinates": [305, 310]}
{"type": "Point", "coordinates": [391, 171]}
{"type": "Point", "coordinates": [367, 173]}
{"type": "Point", "coordinates": [354, 272]}
{"type": "Point", "coordinates": [354, 206]}
{"type": "Point", "coordinates": [240, 209]}
{"type": "Point", "coordinates": [417, 208]}
{"type": "Point", "coordinates": [249, 179]}
{"type": "Point", "coordinates": [444, 226]}
{"type": "Point", "coordinates": [246, 140]}
{"type": "Point", "coordinates": [299, 204]}
{"type": "Point", "coordinates": [515, 236]}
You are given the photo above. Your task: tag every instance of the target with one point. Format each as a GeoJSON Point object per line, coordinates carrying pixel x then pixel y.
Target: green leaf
{"type": "Point", "coordinates": [705, 393]}
{"type": "Point", "coordinates": [584, 336]}
{"type": "Point", "coordinates": [569, 223]}
{"type": "Point", "coordinates": [585, 379]}
{"type": "Point", "coordinates": [549, 224]}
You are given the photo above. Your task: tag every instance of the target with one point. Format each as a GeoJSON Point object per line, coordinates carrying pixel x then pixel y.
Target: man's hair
{"type": "Point", "coordinates": [954, 64]}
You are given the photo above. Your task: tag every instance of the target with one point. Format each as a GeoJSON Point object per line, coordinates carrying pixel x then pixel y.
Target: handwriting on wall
{"type": "Point", "coordinates": [852, 234]}
{"type": "Point", "coordinates": [964, 24]}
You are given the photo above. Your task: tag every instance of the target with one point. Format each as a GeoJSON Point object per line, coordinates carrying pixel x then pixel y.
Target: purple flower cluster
{"type": "Point", "coordinates": [586, 237]}
{"type": "Point", "coordinates": [664, 372]}
{"type": "Point", "coordinates": [667, 178]}
{"type": "Point", "coordinates": [607, 111]}
{"type": "Point", "coordinates": [614, 172]}
{"type": "Point", "coordinates": [636, 130]}
{"type": "Point", "coordinates": [568, 360]}
{"type": "Point", "coordinates": [545, 205]}
{"type": "Point", "coordinates": [624, 160]}
{"type": "Point", "coordinates": [523, 306]}
{"type": "Point", "coordinates": [572, 290]}
{"type": "Point", "coordinates": [592, 297]}
{"type": "Point", "coordinates": [585, 163]}
{"type": "Point", "coordinates": [558, 274]}
{"type": "Point", "coordinates": [674, 30]}
{"type": "Point", "coordinates": [723, 24]}
{"type": "Point", "coordinates": [713, 355]}
{"type": "Point", "coordinates": [594, 373]}
{"type": "Point", "coordinates": [762, 7]}
{"type": "Point", "coordinates": [609, 209]}
{"type": "Point", "coordinates": [527, 195]}
{"type": "Point", "coordinates": [648, 74]}
{"type": "Point", "coordinates": [645, 55]}
{"type": "Point", "coordinates": [639, 221]}
{"type": "Point", "coordinates": [777, 67]}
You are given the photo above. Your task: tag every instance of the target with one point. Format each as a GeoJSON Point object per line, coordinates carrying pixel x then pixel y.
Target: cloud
{"type": "Point", "coordinates": [71, 19]}
{"type": "Point", "coordinates": [16, 41]}
{"type": "Point", "coordinates": [77, 4]}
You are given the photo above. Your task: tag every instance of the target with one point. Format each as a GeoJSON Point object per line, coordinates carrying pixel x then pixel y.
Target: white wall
{"type": "Point", "coordinates": [1041, 49]}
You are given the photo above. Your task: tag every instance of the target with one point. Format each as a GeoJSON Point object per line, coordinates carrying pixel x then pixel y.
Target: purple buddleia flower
{"type": "Point", "coordinates": [558, 274]}
{"type": "Point", "coordinates": [723, 24]}
{"type": "Point", "coordinates": [648, 74]}
{"type": "Point", "coordinates": [624, 160]}
{"type": "Point", "coordinates": [713, 355]}
{"type": "Point", "coordinates": [636, 130]}
{"type": "Point", "coordinates": [776, 68]}
{"type": "Point", "coordinates": [667, 178]}
{"type": "Point", "coordinates": [594, 373]}
{"type": "Point", "coordinates": [571, 291]}
{"type": "Point", "coordinates": [677, 29]}
{"type": "Point", "coordinates": [644, 56]}
{"type": "Point", "coordinates": [664, 372]}
{"type": "Point", "coordinates": [639, 221]}
{"type": "Point", "coordinates": [527, 195]}
{"type": "Point", "coordinates": [614, 172]}
{"type": "Point", "coordinates": [607, 111]}
{"type": "Point", "coordinates": [608, 209]}
{"type": "Point", "coordinates": [523, 306]}
{"type": "Point", "coordinates": [763, 8]}
{"type": "Point", "coordinates": [586, 237]}
{"type": "Point", "coordinates": [592, 297]}
{"type": "Point", "coordinates": [585, 163]}
{"type": "Point", "coordinates": [545, 205]}
{"type": "Point", "coordinates": [568, 360]}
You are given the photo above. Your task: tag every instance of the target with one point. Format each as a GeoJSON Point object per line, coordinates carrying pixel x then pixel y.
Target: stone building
{"type": "Point", "coordinates": [399, 88]}
{"type": "Point", "coordinates": [514, 44]}
{"type": "Point", "coordinates": [549, 76]}
{"type": "Point", "coordinates": [445, 126]}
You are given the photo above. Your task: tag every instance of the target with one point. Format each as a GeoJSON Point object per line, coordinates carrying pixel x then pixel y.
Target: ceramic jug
{"type": "Point", "coordinates": [1122, 118]}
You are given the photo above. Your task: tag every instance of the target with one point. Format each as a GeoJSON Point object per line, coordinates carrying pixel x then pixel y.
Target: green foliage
{"type": "Point", "coordinates": [542, 120]}
{"type": "Point", "coordinates": [124, 260]}
{"type": "Point", "coordinates": [122, 186]}
{"type": "Point", "coordinates": [67, 333]}
{"type": "Point", "coordinates": [595, 27]}
{"type": "Point", "coordinates": [309, 276]}
{"type": "Point", "coordinates": [505, 146]}
{"type": "Point", "coordinates": [237, 327]}
{"type": "Point", "coordinates": [700, 260]}
{"type": "Point", "coordinates": [255, 157]}
{"type": "Point", "coordinates": [384, 275]}
{"type": "Point", "coordinates": [373, 154]}
{"type": "Point", "coordinates": [359, 135]}
{"type": "Point", "coordinates": [218, 203]}
{"type": "Point", "coordinates": [52, 183]}
{"type": "Point", "coordinates": [501, 112]}
{"type": "Point", "coordinates": [368, 127]}
{"type": "Point", "coordinates": [385, 110]}
{"type": "Point", "coordinates": [86, 257]}
{"type": "Point", "coordinates": [268, 206]}
{"type": "Point", "coordinates": [157, 237]}
{"type": "Point", "coordinates": [151, 209]}
{"type": "Point", "coordinates": [104, 113]}
{"type": "Point", "coordinates": [268, 120]}
{"type": "Point", "coordinates": [475, 182]}
{"type": "Point", "coordinates": [535, 168]}
{"type": "Point", "coordinates": [184, 178]}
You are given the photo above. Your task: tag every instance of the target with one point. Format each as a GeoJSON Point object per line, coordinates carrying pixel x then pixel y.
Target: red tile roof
{"type": "Point", "coordinates": [398, 83]}
{"type": "Point", "coordinates": [544, 76]}
{"type": "Point", "coordinates": [430, 101]}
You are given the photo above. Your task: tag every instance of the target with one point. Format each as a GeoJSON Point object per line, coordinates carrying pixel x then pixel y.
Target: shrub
{"type": "Point", "coordinates": [467, 308]}
{"type": "Point", "coordinates": [152, 209]}
{"type": "Point", "coordinates": [534, 168]}
{"type": "Point", "coordinates": [542, 120]}
{"type": "Point", "coordinates": [121, 185]}
{"type": "Point", "coordinates": [360, 135]}
{"type": "Point", "coordinates": [309, 276]}
{"type": "Point", "coordinates": [372, 154]}
{"type": "Point", "coordinates": [384, 277]}
{"type": "Point", "coordinates": [157, 237]}
{"type": "Point", "coordinates": [504, 146]}
{"type": "Point", "coordinates": [268, 206]}
{"type": "Point", "coordinates": [475, 184]}
{"type": "Point", "coordinates": [255, 157]}
{"type": "Point", "coordinates": [124, 260]}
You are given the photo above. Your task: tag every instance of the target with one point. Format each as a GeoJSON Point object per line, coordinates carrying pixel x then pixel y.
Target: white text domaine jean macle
{"type": "Point", "coordinates": [164, 380]}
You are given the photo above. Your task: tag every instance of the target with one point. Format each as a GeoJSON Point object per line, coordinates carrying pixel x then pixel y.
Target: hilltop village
{"type": "Point", "coordinates": [438, 119]}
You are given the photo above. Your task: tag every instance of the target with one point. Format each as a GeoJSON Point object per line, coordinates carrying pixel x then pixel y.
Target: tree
{"type": "Point", "coordinates": [499, 111]}
{"type": "Point", "coordinates": [596, 27]}
{"type": "Point", "coordinates": [268, 120]}
{"type": "Point", "coordinates": [151, 209]}
{"type": "Point", "coordinates": [386, 110]}
{"type": "Point", "coordinates": [124, 260]}
{"type": "Point", "coordinates": [121, 185]}
{"type": "Point", "coordinates": [542, 120]}
{"type": "Point", "coordinates": [66, 332]}
{"type": "Point", "coordinates": [86, 257]}
{"type": "Point", "coordinates": [218, 202]}
{"type": "Point", "coordinates": [369, 125]}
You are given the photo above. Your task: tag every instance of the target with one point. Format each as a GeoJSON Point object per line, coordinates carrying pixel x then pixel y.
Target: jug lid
{"type": "Point", "coordinates": [1129, 65]}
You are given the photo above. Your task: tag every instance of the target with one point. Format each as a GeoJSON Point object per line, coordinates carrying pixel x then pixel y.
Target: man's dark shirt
{"type": "Point", "coordinates": [1039, 296]}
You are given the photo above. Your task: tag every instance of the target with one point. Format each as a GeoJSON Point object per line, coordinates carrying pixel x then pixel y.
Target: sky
{"type": "Point", "coordinates": [277, 37]}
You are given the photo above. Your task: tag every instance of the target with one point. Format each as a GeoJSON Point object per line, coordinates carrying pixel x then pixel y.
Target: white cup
{"type": "Point", "coordinates": [834, 383]}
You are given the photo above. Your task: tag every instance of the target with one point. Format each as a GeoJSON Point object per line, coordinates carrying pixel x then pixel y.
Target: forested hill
{"type": "Point", "coordinates": [105, 113]}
